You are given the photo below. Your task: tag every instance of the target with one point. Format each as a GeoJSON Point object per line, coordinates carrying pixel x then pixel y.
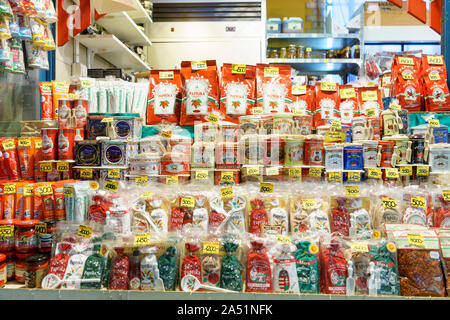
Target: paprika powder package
{"type": "Point", "coordinates": [24, 201]}
{"type": "Point", "coordinates": [307, 266]}
{"type": "Point", "coordinates": [333, 266]}
{"type": "Point", "coordinates": [273, 85]}
{"type": "Point", "coordinates": [45, 89]}
{"type": "Point", "coordinates": [4, 175]}
{"type": "Point", "coordinates": [38, 156]}
{"type": "Point", "coordinates": [211, 268]}
{"type": "Point", "coordinates": [167, 265]}
{"type": "Point", "coordinates": [231, 277]}
{"type": "Point", "coordinates": [26, 152]}
{"type": "Point", "coordinates": [285, 279]}
{"type": "Point", "coordinates": [11, 157]}
{"type": "Point", "coordinates": [370, 103]}
{"type": "Point", "coordinates": [436, 93]}
{"type": "Point", "coordinates": [258, 217]}
{"type": "Point", "coordinates": [302, 100]}
{"type": "Point", "coordinates": [385, 207]}
{"type": "Point", "coordinates": [237, 91]}
{"type": "Point", "coordinates": [433, 63]}
{"type": "Point", "coordinates": [8, 191]}
{"type": "Point", "coordinates": [227, 215]}
{"type": "Point", "coordinates": [409, 93]}
{"type": "Point", "coordinates": [348, 104]}
{"type": "Point", "coordinates": [258, 270]}
{"type": "Point", "coordinates": [404, 64]}
{"type": "Point", "coordinates": [58, 264]}
{"type": "Point", "coordinates": [118, 276]}
{"type": "Point", "coordinates": [200, 91]}
{"type": "Point", "coordinates": [164, 97]}
{"type": "Point", "coordinates": [419, 263]}
{"type": "Point", "coordinates": [191, 264]}
{"type": "Point", "coordinates": [60, 90]}
{"type": "Point", "coordinates": [189, 211]}
{"type": "Point", "coordinates": [340, 216]}
{"type": "Point", "coordinates": [326, 104]}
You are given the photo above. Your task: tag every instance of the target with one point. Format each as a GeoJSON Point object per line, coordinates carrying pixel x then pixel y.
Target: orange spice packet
{"type": "Point", "coordinates": [25, 150]}
{"type": "Point", "coordinates": [38, 156]}
{"type": "Point", "coordinates": [60, 90]}
{"type": "Point", "coordinates": [8, 199]}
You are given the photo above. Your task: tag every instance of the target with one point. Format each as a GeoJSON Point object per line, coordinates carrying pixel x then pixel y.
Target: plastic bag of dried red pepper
{"type": "Point", "coordinates": [419, 263]}
{"type": "Point", "coordinates": [333, 265]}
{"type": "Point", "coordinates": [191, 264]}
{"type": "Point", "coordinates": [340, 217]}
{"type": "Point", "coordinates": [120, 265]}
{"type": "Point", "coordinates": [258, 216]}
{"type": "Point", "coordinates": [259, 270]}
{"type": "Point", "coordinates": [444, 239]}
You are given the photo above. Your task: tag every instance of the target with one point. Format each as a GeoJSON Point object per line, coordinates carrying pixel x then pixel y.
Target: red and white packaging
{"type": "Point", "coordinates": [49, 147]}
{"type": "Point", "coordinates": [302, 100]}
{"type": "Point", "coordinates": [349, 104]}
{"type": "Point", "coordinates": [66, 142]}
{"type": "Point", "coordinates": [11, 157]}
{"type": "Point", "coordinates": [370, 102]}
{"type": "Point", "coordinates": [436, 93]}
{"type": "Point", "coordinates": [81, 108]}
{"type": "Point", "coordinates": [45, 89]}
{"type": "Point", "coordinates": [409, 93]}
{"type": "Point", "coordinates": [273, 85]}
{"type": "Point", "coordinates": [64, 112]}
{"type": "Point", "coordinates": [327, 103]}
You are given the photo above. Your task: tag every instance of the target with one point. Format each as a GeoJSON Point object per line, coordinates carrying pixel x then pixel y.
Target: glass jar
{"type": "Point", "coordinates": [45, 241]}
{"type": "Point", "coordinates": [300, 52]}
{"type": "Point", "coordinates": [346, 53]}
{"type": "Point", "coordinates": [2, 270]}
{"type": "Point", "coordinates": [25, 236]}
{"type": "Point", "coordinates": [357, 53]}
{"type": "Point", "coordinates": [6, 235]}
{"type": "Point", "coordinates": [283, 53]}
{"type": "Point", "coordinates": [308, 53]}
{"type": "Point", "coordinates": [292, 52]}
{"type": "Point", "coordinates": [37, 266]}
{"type": "Point", "coordinates": [274, 54]}
{"type": "Point", "coordinates": [21, 265]}
{"type": "Point", "coordinates": [10, 265]}
{"type": "Point", "coordinates": [330, 54]}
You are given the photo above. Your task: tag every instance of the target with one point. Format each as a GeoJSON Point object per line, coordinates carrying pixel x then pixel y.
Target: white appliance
{"type": "Point", "coordinates": [225, 31]}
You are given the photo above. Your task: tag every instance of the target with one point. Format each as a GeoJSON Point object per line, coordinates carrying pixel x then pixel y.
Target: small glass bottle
{"type": "Point", "coordinates": [283, 53]}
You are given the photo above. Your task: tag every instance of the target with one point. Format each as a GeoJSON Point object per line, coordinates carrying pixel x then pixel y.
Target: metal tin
{"type": "Point", "coordinates": [95, 127]}
{"type": "Point", "coordinates": [353, 158]}
{"type": "Point", "coordinates": [274, 150]}
{"type": "Point", "coordinates": [334, 157]}
{"type": "Point", "coordinates": [87, 153]}
{"type": "Point", "coordinates": [304, 124]}
{"type": "Point", "coordinates": [228, 132]}
{"type": "Point", "coordinates": [359, 131]}
{"type": "Point", "coordinates": [348, 133]}
{"type": "Point", "coordinates": [152, 144]}
{"type": "Point", "coordinates": [248, 125]}
{"type": "Point", "coordinates": [145, 164]}
{"type": "Point", "coordinates": [252, 149]}
{"type": "Point", "coordinates": [174, 164]}
{"type": "Point", "coordinates": [127, 127]}
{"type": "Point", "coordinates": [439, 157]}
{"type": "Point", "coordinates": [114, 153]}
{"type": "Point", "coordinates": [314, 151]}
{"type": "Point", "coordinates": [417, 149]}
{"type": "Point", "coordinates": [386, 149]}
{"type": "Point", "coordinates": [283, 123]}
{"type": "Point", "coordinates": [293, 150]}
{"type": "Point", "coordinates": [227, 155]}
{"type": "Point", "coordinates": [440, 134]}
{"type": "Point", "coordinates": [370, 150]}
{"type": "Point", "coordinates": [202, 155]}
{"type": "Point", "coordinates": [401, 142]}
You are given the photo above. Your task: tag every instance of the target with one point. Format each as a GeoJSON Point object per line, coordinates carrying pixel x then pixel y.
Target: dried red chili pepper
{"type": "Point", "coordinates": [333, 268]}
{"type": "Point", "coordinates": [258, 216]}
{"type": "Point", "coordinates": [442, 216]}
{"type": "Point", "coordinates": [215, 220]}
{"type": "Point", "coordinates": [120, 265]}
{"type": "Point", "coordinates": [191, 264]}
{"type": "Point", "coordinates": [259, 272]}
{"type": "Point", "coordinates": [340, 218]}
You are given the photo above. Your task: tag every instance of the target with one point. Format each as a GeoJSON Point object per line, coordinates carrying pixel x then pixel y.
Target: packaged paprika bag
{"type": "Point", "coordinates": [231, 271]}
{"type": "Point", "coordinates": [408, 91]}
{"type": "Point", "coordinates": [200, 91]}
{"type": "Point", "coordinates": [435, 92]}
{"type": "Point", "coordinates": [333, 265]}
{"type": "Point", "coordinates": [273, 85]}
{"type": "Point", "coordinates": [433, 63]}
{"type": "Point", "coordinates": [370, 103]}
{"type": "Point", "coordinates": [444, 240]}
{"type": "Point", "coordinates": [307, 266]}
{"type": "Point", "coordinates": [11, 157]}
{"type": "Point", "coordinates": [326, 103]}
{"type": "Point", "coordinates": [190, 261]}
{"type": "Point", "coordinates": [164, 97]}
{"type": "Point", "coordinates": [237, 91]}
{"type": "Point", "coordinates": [302, 100]}
{"type": "Point", "coordinates": [258, 269]}
{"type": "Point", "coordinates": [404, 64]}
{"type": "Point", "coordinates": [285, 279]}
{"type": "Point", "coordinates": [349, 104]}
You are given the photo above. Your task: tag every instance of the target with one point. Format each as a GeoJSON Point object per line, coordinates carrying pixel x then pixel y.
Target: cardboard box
{"type": "Point", "coordinates": [387, 14]}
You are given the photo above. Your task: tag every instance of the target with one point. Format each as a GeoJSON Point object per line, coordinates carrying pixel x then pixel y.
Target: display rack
{"type": "Point", "coordinates": [139, 15]}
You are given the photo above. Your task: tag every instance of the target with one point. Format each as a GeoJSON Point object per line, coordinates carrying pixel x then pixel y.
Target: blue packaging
{"type": "Point", "coordinates": [273, 25]}
{"type": "Point", "coordinates": [353, 158]}
{"type": "Point", "coordinates": [348, 133]}
{"type": "Point", "coordinates": [440, 134]}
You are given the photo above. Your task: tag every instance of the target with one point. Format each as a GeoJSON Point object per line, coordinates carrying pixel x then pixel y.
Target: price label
{"type": "Point", "coordinates": [252, 171]}
{"type": "Point", "coordinates": [214, 118]}
{"type": "Point", "coordinates": [211, 247]}
{"type": "Point", "coordinates": [283, 239]}
{"type": "Point", "coordinates": [198, 65]}
{"type": "Point", "coordinates": [390, 203]}
{"type": "Point", "coordinates": [370, 112]}
{"type": "Point", "coordinates": [299, 90]}
{"type": "Point", "coordinates": [272, 171]}
{"type": "Point", "coordinates": [354, 176]}
{"type": "Point", "coordinates": [188, 202]}
{"type": "Point", "coordinates": [315, 172]}
{"type": "Point", "coordinates": [113, 173]}
{"type": "Point", "coordinates": [256, 111]}
{"type": "Point", "coordinates": [164, 75]}
{"type": "Point", "coordinates": [226, 193]}
{"type": "Point", "coordinates": [369, 95]}
{"type": "Point", "coordinates": [308, 49]}
{"type": "Point", "coordinates": [298, 112]}
{"type": "Point", "coordinates": [142, 239]}
{"type": "Point", "coordinates": [146, 195]}
{"type": "Point", "coordinates": [24, 142]}
{"type": "Point", "coordinates": [60, 84]}
{"type": "Point", "coordinates": [359, 247]}
{"type": "Point", "coordinates": [238, 68]}
{"type": "Point", "coordinates": [226, 176]}
{"type": "Point", "coordinates": [295, 172]}
{"type": "Point", "coordinates": [111, 185]}
{"type": "Point", "coordinates": [73, 96]}
{"type": "Point", "coordinates": [62, 166]}
{"type": "Point", "coordinates": [45, 166]}
{"type": "Point", "coordinates": [85, 231]}
{"type": "Point", "coordinates": [446, 195]}
{"type": "Point", "coordinates": [406, 61]}
{"type": "Point", "coordinates": [46, 86]}
{"type": "Point", "coordinates": [309, 204]}
{"type": "Point", "coordinates": [434, 76]}
{"type": "Point", "coordinates": [336, 124]}
{"type": "Point", "coordinates": [394, 106]}
{"type": "Point", "coordinates": [418, 202]}
{"type": "Point", "coordinates": [9, 144]}
{"type": "Point", "coordinates": [406, 171]}
{"type": "Point", "coordinates": [423, 171]}
{"type": "Point", "coordinates": [374, 173]}
{"type": "Point", "coordinates": [266, 187]}
{"type": "Point", "coordinates": [435, 60]}
{"type": "Point", "coordinates": [172, 180]}
{"type": "Point", "coordinates": [434, 123]}
{"type": "Point", "coordinates": [69, 192]}
{"type": "Point", "coordinates": [28, 191]}
{"type": "Point", "coordinates": [335, 136]}
{"type": "Point", "coordinates": [86, 83]}
{"type": "Point", "coordinates": [328, 86]}
{"type": "Point", "coordinates": [352, 191]}
{"type": "Point", "coordinates": [416, 240]}
{"type": "Point", "coordinates": [86, 173]}
{"type": "Point", "coordinates": [271, 72]}
{"type": "Point", "coordinates": [107, 119]}
{"type": "Point", "coordinates": [347, 93]}
{"type": "Point", "coordinates": [9, 188]}
{"type": "Point", "coordinates": [392, 173]}
{"type": "Point", "coordinates": [38, 143]}
{"type": "Point", "coordinates": [166, 134]}
{"type": "Point", "coordinates": [201, 175]}
{"type": "Point", "coordinates": [40, 228]}
{"type": "Point", "coordinates": [45, 190]}
{"type": "Point", "coordinates": [141, 181]}
{"type": "Point", "coordinates": [6, 231]}
{"type": "Point", "coordinates": [335, 176]}
{"type": "Point", "coordinates": [407, 76]}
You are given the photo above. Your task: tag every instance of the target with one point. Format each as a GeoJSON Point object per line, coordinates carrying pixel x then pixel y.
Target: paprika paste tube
{"type": "Point", "coordinates": [200, 91]}
{"type": "Point", "coordinates": [26, 152]}
{"type": "Point", "coordinates": [11, 158]}
{"type": "Point", "coordinates": [164, 97]}
{"type": "Point", "coordinates": [38, 156]}
{"type": "Point", "coordinates": [45, 89]}
{"type": "Point", "coordinates": [23, 201]}
{"type": "Point", "coordinates": [58, 202]}
{"type": "Point", "coordinates": [273, 83]}
{"type": "Point", "coordinates": [9, 200]}
{"type": "Point", "coordinates": [191, 264]}
{"type": "Point", "coordinates": [258, 269]}
{"type": "Point", "coordinates": [237, 91]}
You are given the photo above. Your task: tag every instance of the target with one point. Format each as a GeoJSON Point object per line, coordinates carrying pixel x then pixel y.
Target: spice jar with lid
{"type": "Point", "coordinates": [6, 235]}
{"type": "Point", "coordinates": [25, 236]}
{"type": "Point", "coordinates": [45, 241]}
{"type": "Point", "coordinates": [357, 53]}
{"type": "Point", "coordinates": [273, 54]}
{"type": "Point", "coordinates": [300, 51]}
{"type": "Point", "coordinates": [37, 266]}
{"type": "Point", "coordinates": [2, 270]}
{"type": "Point", "coordinates": [283, 53]}
{"type": "Point", "coordinates": [308, 54]}
{"type": "Point", "coordinates": [346, 53]}
{"type": "Point", "coordinates": [331, 54]}
{"type": "Point", "coordinates": [292, 52]}
{"type": "Point", "coordinates": [10, 265]}
{"type": "Point", "coordinates": [21, 265]}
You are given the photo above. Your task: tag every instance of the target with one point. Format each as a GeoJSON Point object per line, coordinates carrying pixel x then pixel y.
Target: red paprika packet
{"type": "Point", "coordinates": [333, 266]}
{"type": "Point", "coordinates": [9, 199]}
{"type": "Point", "coordinates": [348, 104]}
{"type": "Point", "coordinates": [258, 270]}
{"type": "Point", "coordinates": [273, 85]}
{"type": "Point", "coordinates": [340, 218]}
{"type": "Point", "coordinates": [237, 91]}
{"type": "Point", "coordinates": [164, 97]}
{"type": "Point", "coordinates": [435, 92]}
{"type": "Point", "coordinates": [23, 201]}
{"type": "Point", "coordinates": [302, 100]}
{"type": "Point", "coordinates": [433, 63]}
{"type": "Point", "coordinates": [4, 175]}
{"type": "Point", "coordinates": [120, 266]}
{"type": "Point", "coordinates": [200, 91]}
{"type": "Point", "coordinates": [258, 216]}
{"type": "Point", "coordinates": [409, 93]}
{"type": "Point", "coordinates": [45, 89]}
{"type": "Point", "coordinates": [25, 150]}
{"type": "Point", "coordinates": [326, 104]}
{"type": "Point", "coordinates": [11, 158]}
{"type": "Point", "coordinates": [38, 156]}
{"type": "Point", "coordinates": [191, 264]}
{"type": "Point", "coordinates": [370, 102]}
{"type": "Point", "coordinates": [404, 64]}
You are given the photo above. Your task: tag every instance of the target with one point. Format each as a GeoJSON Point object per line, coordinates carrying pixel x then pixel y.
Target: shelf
{"type": "Point", "coordinates": [123, 27]}
{"type": "Point", "coordinates": [139, 15]}
{"type": "Point", "coordinates": [320, 65]}
{"type": "Point", "coordinates": [311, 35]}
{"type": "Point", "coordinates": [316, 41]}
{"type": "Point", "coordinates": [114, 51]}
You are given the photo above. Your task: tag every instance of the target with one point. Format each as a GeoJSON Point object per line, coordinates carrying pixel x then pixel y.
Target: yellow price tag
{"type": "Point", "coordinates": [416, 240]}
{"type": "Point", "coordinates": [394, 106]}
{"type": "Point", "coordinates": [73, 96]}
{"type": "Point", "coordinates": [406, 61]}
{"type": "Point", "coordinates": [9, 188]}
{"type": "Point", "coordinates": [201, 175]}
{"type": "Point", "coordinates": [298, 112]}
{"type": "Point", "coordinates": [295, 172]}
{"type": "Point", "coordinates": [45, 166]}
{"type": "Point", "coordinates": [271, 72]}
{"type": "Point", "coordinates": [188, 202]}
{"type": "Point", "coordinates": [24, 142]}
{"type": "Point", "coordinates": [407, 76]}
{"type": "Point", "coordinates": [359, 247]}
{"type": "Point", "coordinates": [142, 239]}
{"type": "Point", "coordinates": [347, 93]}
{"type": "Point", "coordinates": [107, 119]}
{"type": "Point", "coordinates": [283, 239]}
{"type": "Point", "coordinates": [371, 95]}
{"type": "Point", "coordinates": [211, 247]}
{"type": "Point", "coordinates": [308, 49]}
{"type": "Point", "coordinates": [238, 68]}
{"type": "Point", "coordinates": [272, 171]}
{"type": "Point", "coordinates": [69, 192]}
{"type": "Point", "coordinates": [214, 118]}
{"type": "Point", "coordinates": [38, 143]}
{"type": "Point", "coordinates": [418, 202]}
{"type": "Point", "coordinates": [226, 193]}
{"type": "Point", "coordinates": [6, 231]}
{"type": "Point", "coordinates": [309, 204]}
{"type": "Point", "coordinates": [40, 228]}
{"type": "Point", "coordinates": [9, 144]}
{"type": "Point", "coordinates": [423, 171]}
{"type": "Point", "coordinates": [226, 176]}
{"type": "Point", "coordinates": [435, 60]}
{"type": "Point", "coordinates": [336, 124]}
{"type": "Point", "coordinates": [166, 134]}
{"type": "Point", "coordinates": [85, 231]}
{"type": "Point", "coordinates": [113, 173]}
{"type": "Point", "coordinates": [371, 112]}
{"type": "Point", "coordinates": [354, 176]}
{"type": "Point", "coordinates": [374, 173]}
{"type": "Point", "coordinates": [392, 173]}
{"type": "Point", "coordinates": [164, 75]}
{"type": "Point", "coordinates": [172, 180]}
{"type": "Point", "coordinates": [28, 191]}
{"type": "Point", "coordinates": [111, 185]}
{"type": "Point", "coordinates": [46, 86]}
{"type": "Point", "coordinates": [328, 86]}
{"type": "Point", "coordinates": [86, 173]}
{"type": "Point", "coordinates": [315, 172]}
{"type": "Point", "coordinates": [62, 166]}
{"type": "Point", "coordinates": [146, 195]}
{"type": "Point", "coordinates": [45, 190]}
{"type": "Point", "coordinates": [252, 171]}
{"type": "Point", "coordinates": [352, 191]}
{"type": "Point", "coordinates": [298, 90]}
{"type": "Point", "coordinates": [446, 195]}
{"type": "Point", "coordinates": [434, 123]}
{"type": "Point", "coordinates": [434, 76]}
{"type": "Point", "coordinates": [198, 65]}
{"type": "Point", "coordinates": [141, 181]}
{"type": "Point", "coordinates": [335, 176]}
{"type": "Point", "coordinates": [406, 171]}
{"type": "Point", "coordinates": [86, 83]}
{"type": "Point", "coordinates": [266, 187]}
{"type": "Point", "coordinates": [313, 248]}
{"type": "Point", "coordinates": [256, 111]}
{"type": "Point", "coordinates": [390, 203]}
{"type": "Point", "coordinates": [335, 136]}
